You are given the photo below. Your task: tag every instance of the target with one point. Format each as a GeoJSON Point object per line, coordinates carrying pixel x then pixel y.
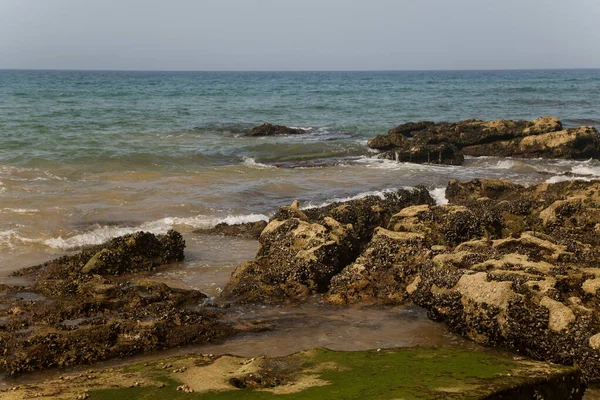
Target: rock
{"type": "Point", "coordinates": [443, 373]}
{"type": "Point", "coordinates": [576, 143]}
{"type": "Point", "coordinates": [94, 306]}
{"type": "Point", "coordinates": [531, 288]}
{"type": "Point", "coordinates": [247, 230]}
{"type": "Point", "coordinates": [448, 143]}
{"type": "Point", "coordinates": [301, 250]}
{"type": "Point", "coordinates": [268, 129]}
{"type": "Point", "coordinates": [419, 153]}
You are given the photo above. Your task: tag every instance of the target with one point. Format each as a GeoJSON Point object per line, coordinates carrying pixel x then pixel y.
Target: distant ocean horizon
{"type": "Point", "coordinates": [89, 155]}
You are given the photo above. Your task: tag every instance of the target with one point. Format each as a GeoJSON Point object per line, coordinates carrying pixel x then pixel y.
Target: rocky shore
{"type": "Point", "coordinates": [98, 305]}
{"type": "Point", "coordinates": [508, 266]}
{"type": "Point", "coordinates": [449, 142]}
{"type": "Point", "coordinates": [504, 265]}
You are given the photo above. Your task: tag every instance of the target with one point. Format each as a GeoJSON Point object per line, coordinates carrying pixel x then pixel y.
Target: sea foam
{"type": "Point", "coordinates": [101, 233]}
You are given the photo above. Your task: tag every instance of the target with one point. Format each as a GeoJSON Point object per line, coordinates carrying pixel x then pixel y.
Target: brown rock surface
{"type": "Point", "coordinates": [447, 143]}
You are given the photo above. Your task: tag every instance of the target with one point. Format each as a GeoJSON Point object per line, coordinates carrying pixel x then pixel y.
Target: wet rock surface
{"type": "Point", "coordinates": [96, 305]}
{"type": "Point", "coordinates": [449, 142]}
{"type": "Point", "coordinates": [268, 129]}
{"type": "Point", "coordinates": [322, 374]}
{"type": "Point", "coordinates": [502, 264]}
{"type": "Point", "coordinates": [301, 250]}
{"type": "Point", "coordinates": [247, 230]}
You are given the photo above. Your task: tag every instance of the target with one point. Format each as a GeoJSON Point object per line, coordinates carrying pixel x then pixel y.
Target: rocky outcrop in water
{"type": "Point", "coordinates": [268, 129]}
{"type": "Point", "coordinates": [246, 230]}
{"type": "Point", "coordinates": [97, 305]}
{"type": "Point", "coordinates": [448, 143]}
{"type": "Point", "coordinates": [301, 250]}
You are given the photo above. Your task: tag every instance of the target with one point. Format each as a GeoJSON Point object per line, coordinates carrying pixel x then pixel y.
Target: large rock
{"type": "Point", "coordinates": [576, 143]}
{"type": "Point", "coordinates": [301, 250]}
{"type": "Point", "coordinates": [98, 304]}
{"type": "Point", "coordinates": [447, 143]}
{"type": "Point", "coordinates": [506, 266]}
{"type": "Point", "coordinates": [268, 129]}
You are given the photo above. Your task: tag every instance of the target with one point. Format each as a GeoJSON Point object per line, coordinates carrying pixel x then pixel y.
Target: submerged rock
{"type": "Point", "coordinates": [268, 129]}
{"type": "Point", "coordinates": [447, 143]}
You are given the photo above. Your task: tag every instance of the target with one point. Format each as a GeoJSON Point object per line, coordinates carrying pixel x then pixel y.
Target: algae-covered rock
{"type": "Point", "coordinates": [404, 373]}
{"type": "Point", "coordinates": [576, 143]}
{"type": "Point", "coordinates": [93, 306]}
{"type": "Point", "coordinates": [504, 265]}
{"type": "Point", "coordinates": [301, 250]}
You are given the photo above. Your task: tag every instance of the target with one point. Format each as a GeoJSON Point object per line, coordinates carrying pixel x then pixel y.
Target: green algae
{"type": "Point", "coordinates": [407, 373]}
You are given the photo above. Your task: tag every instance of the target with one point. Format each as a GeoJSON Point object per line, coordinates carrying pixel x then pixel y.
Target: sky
{"type": "Point", "coordinates": [299, 34]}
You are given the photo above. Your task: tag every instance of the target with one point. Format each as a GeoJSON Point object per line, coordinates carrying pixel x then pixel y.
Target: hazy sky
{"type": "Point", "coordinates": [299, 34]}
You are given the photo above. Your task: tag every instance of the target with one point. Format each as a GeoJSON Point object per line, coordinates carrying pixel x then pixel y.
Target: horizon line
{"type": "Point", "coordinates": [296, 70]}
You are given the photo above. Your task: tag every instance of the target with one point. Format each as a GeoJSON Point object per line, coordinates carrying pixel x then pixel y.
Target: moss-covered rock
{"type": "Point", "coordinates": [405, 373]}
{"type": "Point", "coordinates": [95, 305]}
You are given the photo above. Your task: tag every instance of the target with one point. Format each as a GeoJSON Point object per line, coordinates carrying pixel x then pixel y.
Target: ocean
{"type": "Point", "coordinates": [86, 156]}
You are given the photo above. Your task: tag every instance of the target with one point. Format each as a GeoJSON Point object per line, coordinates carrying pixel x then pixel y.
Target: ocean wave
{"type": "Point", "coordinates": [101, 233]}
{"type": "Point", "coordinates": [251, 162]}
{"type": "Point", "coordinates": [564, 178]}
{"type": "Point", "coordinates": [590, 167]}
{"type": "Point", "coordinates": [504, 164]}
{"type": "Point", "coordinates": [384, 163]}
{"type": "Point", "coordinates": [21, 210]}
{"type": "Point", "coordinates": [379, 193]}
{"type": "Point", "coordinates": [10, 237]}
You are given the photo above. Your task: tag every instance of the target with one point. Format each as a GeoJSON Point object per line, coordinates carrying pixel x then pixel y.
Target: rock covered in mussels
{"type": "Point", "coordinates": [301, 250]}
{"type": "Point", "coordinates": [503, 264]}
{"type": "Point", "coordinates": [268, 129]}
{"type": "Point", "coordinates": [97, 305]}
{"type": "Point", "coordinates": [448, 143]}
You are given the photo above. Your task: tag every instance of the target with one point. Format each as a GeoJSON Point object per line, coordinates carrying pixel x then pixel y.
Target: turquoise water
{"type": "Point", "coordinates": [182, 117]}
{"type": "Point", "coordinates": [85, 156]}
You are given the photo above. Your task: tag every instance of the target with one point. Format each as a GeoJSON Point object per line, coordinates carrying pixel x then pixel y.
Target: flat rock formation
{"type": "Point", "coordinates": [502, 264]}
{"type": "Point", "coordinates": [268, 129]}
{"type": "Point", "coordinates": [247, 230]}
{"type": "Point", "coordinates": [448, 143]}
{"type": "Point", "coordinates": [405, 373]}
{"type": "Point", "coordinates": [97, 305]}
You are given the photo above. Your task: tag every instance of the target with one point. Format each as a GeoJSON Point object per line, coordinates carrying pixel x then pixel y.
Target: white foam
{"type": "Point", "coordinates": [586, 169]}
{"type": "Point", "coordinates": [439, 195]}
{"type": "Point", "coordinates": [564, 178]}
{"type": "Point", "coordinates": [101, 233]}
{"type": "Point", "coordinates": [251, 162]}
{"type": "Point", "coordinates": [379, 193]}
{"type": "Point", "coordinates": [10, 236]}
{"type": "Point", "coordinates": [21, 210]}
{"type": "Point", "coordinates": [304, 128]}
{"type": "Point", "coordinates": [504, 164]}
